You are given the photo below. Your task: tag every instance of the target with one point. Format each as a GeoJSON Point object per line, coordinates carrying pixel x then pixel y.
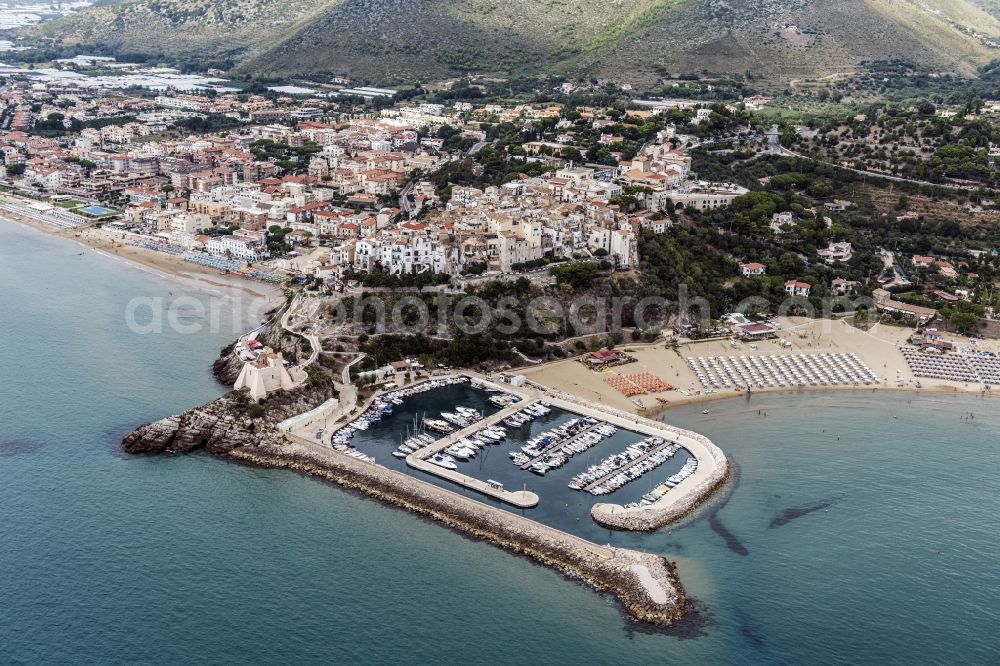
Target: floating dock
{"type": "Point", "coordinates": [555, 446]}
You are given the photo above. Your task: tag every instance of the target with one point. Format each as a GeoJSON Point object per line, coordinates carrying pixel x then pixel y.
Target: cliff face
{"type": "Point", "coordinates": [227, 367]}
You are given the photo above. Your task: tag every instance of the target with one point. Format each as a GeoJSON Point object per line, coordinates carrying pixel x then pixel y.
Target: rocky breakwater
{"type": "Point", "coordinates": [646, 584]}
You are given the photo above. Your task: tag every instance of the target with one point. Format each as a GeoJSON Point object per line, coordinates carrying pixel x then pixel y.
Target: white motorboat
{"type": "Point", "coordinates": [460, 452]}
{"type": "Point", "coordinates": [441, 460]}
{"type": "Point", "coordinates": [454, 419]}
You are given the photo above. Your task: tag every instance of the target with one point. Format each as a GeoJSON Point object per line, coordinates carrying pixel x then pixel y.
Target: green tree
{"type": "Point", "coordinates": [577, 275]}
{"type": "Point", "coordinates": [572, 154]}
{"type": "Point", "coordinates": [964, 321]}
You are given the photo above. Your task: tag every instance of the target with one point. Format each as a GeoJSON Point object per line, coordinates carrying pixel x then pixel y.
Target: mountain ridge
{"type": "Point", "coordinates": [404, 40]}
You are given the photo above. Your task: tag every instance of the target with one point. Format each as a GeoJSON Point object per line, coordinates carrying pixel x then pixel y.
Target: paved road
{"type": "Point", "coordinates": [774, 146]}
{"type": "Point", "coordinates": [735, 138]}
{"type": "Point", "coordinates": [404, 199]}
{"type": "Point", "coordinates": [311, 337]}
{"type": "Point", "coordinates": [479, 146]}
{"type": "Point", "coordinates": [348, 392]}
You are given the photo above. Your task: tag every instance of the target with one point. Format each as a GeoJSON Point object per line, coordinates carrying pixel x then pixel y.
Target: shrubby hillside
{"type": "Point", "coordinates": [400, 40]}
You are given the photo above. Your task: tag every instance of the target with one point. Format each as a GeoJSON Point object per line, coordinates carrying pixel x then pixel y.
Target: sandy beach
{"type": "Point", "coordinates": [115, 245]}
{"type": "Point", "coordinates": [879, 348]}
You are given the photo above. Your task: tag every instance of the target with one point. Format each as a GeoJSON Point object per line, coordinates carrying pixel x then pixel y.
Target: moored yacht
{"type": "Point", "coordinates": [438, 426]}
{"type": "Point", "coordinates": [454, 419]}
{"type": "Point", "coordinates": [460, 452]}
{"type": "Point", "coordinates": [442, 460]}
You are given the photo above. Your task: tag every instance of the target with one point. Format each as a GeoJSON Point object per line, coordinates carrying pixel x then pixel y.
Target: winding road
{"type": "Point", "coordinates": [404, 199]}
{"type": "Point", "coordinates": [774, 146]}
{"type": "Point", "coordinates": [311, 337]}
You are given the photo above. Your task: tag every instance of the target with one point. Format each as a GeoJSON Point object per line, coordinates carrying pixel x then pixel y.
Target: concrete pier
{"type": "Point", "coordinates": [627, 466]}
{"type": "Point", "coordinates": [522, 499]}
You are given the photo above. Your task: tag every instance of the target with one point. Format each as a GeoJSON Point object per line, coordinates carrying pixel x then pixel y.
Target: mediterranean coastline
{"type": "Point", "coordinates": [647, 586]}
{"type": "Point", "coordinates": [460, 332]}
{"type": "Point", "coordinates": [749, 604]}
{"type": "Point", "coordinates": [111, 245]}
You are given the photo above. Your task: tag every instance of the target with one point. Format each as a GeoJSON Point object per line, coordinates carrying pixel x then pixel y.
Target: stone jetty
{"type": "Point", "coordinates": [646, 584]}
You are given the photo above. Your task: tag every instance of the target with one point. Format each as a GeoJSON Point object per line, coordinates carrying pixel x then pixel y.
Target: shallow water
{"type": "Point", "coordinates": [885, 547]}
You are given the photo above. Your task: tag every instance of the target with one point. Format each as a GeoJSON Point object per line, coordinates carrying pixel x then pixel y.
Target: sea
{"type": "Point", "coordinates": [860, 528]}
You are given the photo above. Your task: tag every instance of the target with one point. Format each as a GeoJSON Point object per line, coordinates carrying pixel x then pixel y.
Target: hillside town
{"type": "Point", "coordinates": [334, 182]}
{"type": "Point", "coordinates": [345, 181]}
{"type": "Point", "coordinates": [693, 304]}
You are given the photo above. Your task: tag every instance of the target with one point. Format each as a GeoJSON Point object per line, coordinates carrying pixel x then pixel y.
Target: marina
{"type": "Point", "coordinates": [520, 448]}
{"type": "Point", "coordinates": [572, 438]}
{"type": "Point", "coordinates": [614, 472]}
{"type": "Point", "coordinates": [818, 556]}
{"type": "Point", "coordinates": [689, 468]}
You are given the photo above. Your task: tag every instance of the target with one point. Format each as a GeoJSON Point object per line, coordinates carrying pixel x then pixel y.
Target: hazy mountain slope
{"type": "Point", "coordinates": [406, 39]}
{"type": "Point", "coordinates": [803, 38]}
{"type": "Point", "coordinates": [991, 7]}
{"type": "Point", "coordinates": [234, 29]}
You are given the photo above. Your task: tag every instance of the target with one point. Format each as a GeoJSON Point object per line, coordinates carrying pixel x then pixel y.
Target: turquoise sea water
{"type": "Point", "coordinates": [884, 549]}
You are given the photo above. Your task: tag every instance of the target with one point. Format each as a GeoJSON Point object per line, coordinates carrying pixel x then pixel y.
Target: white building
{"type": "Point", "coordinates": [796, 288]}
{"type": "Point", "coordinates": [780, 222]}
{"type": "Point", "coordinates": [705, 196]}
{"type": "Point", "coordinates": [243, 244]}
{"type": "Point", "coordinates": [656, 226]}
{"type": "Point", "coordinates": [189, 223]}
{"type": "Point", "coordinates": [836, 253]}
